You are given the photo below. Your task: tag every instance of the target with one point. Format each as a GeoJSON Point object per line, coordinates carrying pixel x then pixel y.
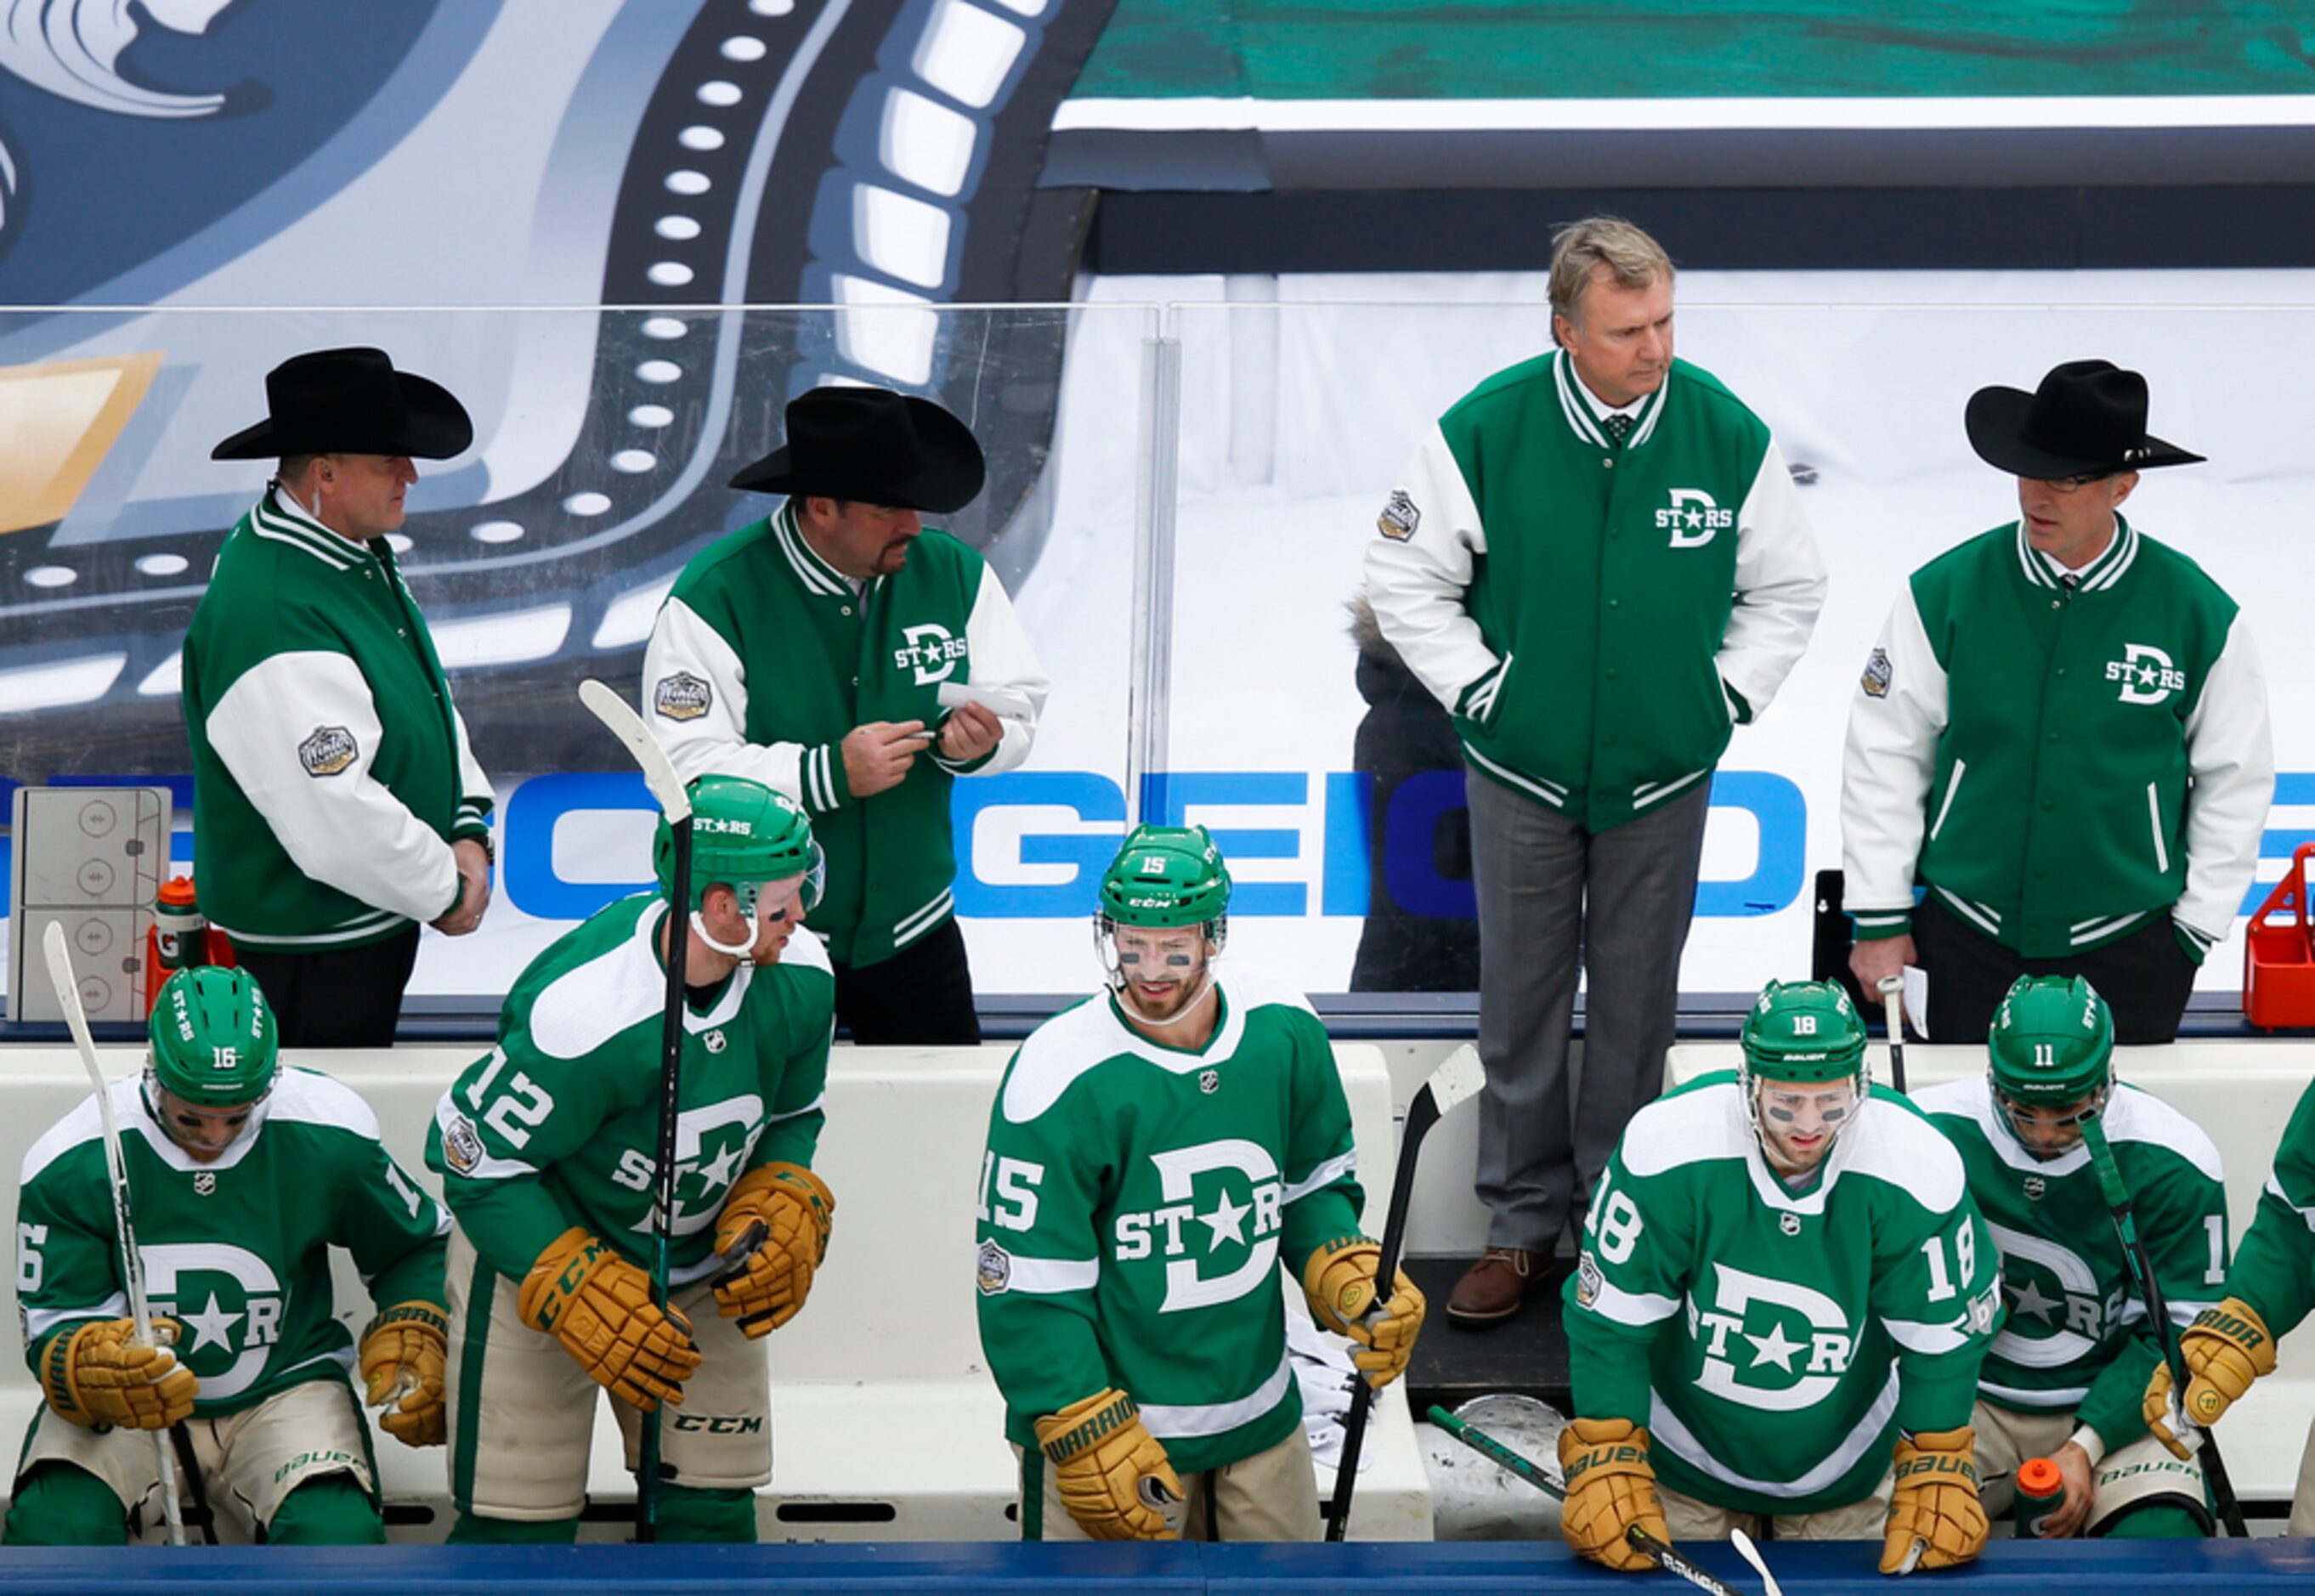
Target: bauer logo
{"type": "Point", "coordinates": [682, 697]}
{"type": "Point", "coordinates": [2145, 673]}
{"type": "Point", "coordinates": [992, 1269]}
{"type": "Point", "coordinates": [329, 750]}
{"type": "Point", "coordinates": [1693, 519]}
{"type": "Point", "coordinates": [1399, 518]}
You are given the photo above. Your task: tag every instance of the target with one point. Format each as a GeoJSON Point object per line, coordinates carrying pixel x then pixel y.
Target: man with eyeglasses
{"type": "Point", "coordinates": [1154, 1155]}
{"type": "Point", "coordinates": [548, 1147]}
{"type": "Point", "coordinates": [1782, 1302]}
{"type": "Point", "coordinates": [2064, 1378]}
{"type": "Point", "coordinates": [2059, 740]}
{"type": "Point", "coordinates": [242, 1176]}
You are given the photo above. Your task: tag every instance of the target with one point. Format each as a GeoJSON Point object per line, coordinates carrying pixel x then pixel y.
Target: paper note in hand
{"type": "Point", "coordinates": [997, 701]}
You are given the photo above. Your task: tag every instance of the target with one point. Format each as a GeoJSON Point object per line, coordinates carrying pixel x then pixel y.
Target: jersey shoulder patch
{"type": "Point", "coordinates": [1071, 1044]}
{"type": "Point", "coordinates": [1703, 1123]}
{"type": "Point", "coordinates": [308, 1097]}
{"type": "Point", "coordinates": [2141, 1118]}
{"type": "Point", "coordinates": [1895, 1144]}
{"type": "Point", "coordinates": [590, 1002]}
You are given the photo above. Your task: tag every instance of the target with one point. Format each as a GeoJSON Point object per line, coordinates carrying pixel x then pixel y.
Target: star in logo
{"type": "Point", "coordinates": [211, 1326]}
{"type": "Point", "coordinates": [718, 1171]}
{"type": "Point", "coordinates": [1229, 1218]}
{"type": "Point", "coordinates": [1773, 1348]}
{"type": "Point", "coordinates": [2146, 676]}
{"type": "Point", "coordinates": [2028, 1298]}
{"type": "Point", "coordinates": [1695, 517]}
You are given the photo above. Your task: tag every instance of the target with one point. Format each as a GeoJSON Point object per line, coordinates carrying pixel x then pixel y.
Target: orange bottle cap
{"type": "Point", "coordinates": [2038, 1476]}
{"type": "Point", "coordinates": [177, 892]}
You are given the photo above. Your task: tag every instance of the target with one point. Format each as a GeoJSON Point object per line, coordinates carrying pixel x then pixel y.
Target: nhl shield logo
{"type": "Point", "coordinates": [2034, 1187]}
{"type": "Point", "coordinates": [714, 1041]}
{"type": "Point", "coordinates": [1210, 1081]}
{"type": "Point", "coordinates": [682, 697]}
{"type": "Point", "coordinates": [993, 1269]}
{"type": "Point", "coordinates": [1400, 517]}
{"type": "Point", "coordinates": [205, 1185]}
{"type": "Point", "coordinates": [1789, 1223]}
{"type": "Point", "coordinates": [329, 750]}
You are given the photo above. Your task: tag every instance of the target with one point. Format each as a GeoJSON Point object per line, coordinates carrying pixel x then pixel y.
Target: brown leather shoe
{"type": "Point", "coordinates": [1492, 1290]}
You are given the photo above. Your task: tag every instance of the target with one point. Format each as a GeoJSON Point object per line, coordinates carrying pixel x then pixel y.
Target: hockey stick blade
{"type": "Point", "coordinates": [67, 982]}
{"type": "Point", "coordinates": [1752, 1554]}
{"type": "Point", "coordinates": [627, 726]}
{"type": "Point", "coordinates": [1455, 1080]}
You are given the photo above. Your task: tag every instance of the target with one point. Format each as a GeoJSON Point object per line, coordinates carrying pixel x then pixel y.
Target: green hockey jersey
{"type": "Point", "coordinates": [1136, 1202]}
{"type": "Point", "coordinates": [1775, 1341]}
{"type": "Point", "coordinates": [2076, 1337]}
{"type": "Point", "coordinates": [236, 1250]}
{"type": "Point", "coordinates": [558, 1124]}
{"type": "Point", "coordinates": [2273, 1269]}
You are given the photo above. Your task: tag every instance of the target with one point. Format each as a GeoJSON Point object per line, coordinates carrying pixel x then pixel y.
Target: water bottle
{"type": "Point", "coordinates": [2040, 1492]}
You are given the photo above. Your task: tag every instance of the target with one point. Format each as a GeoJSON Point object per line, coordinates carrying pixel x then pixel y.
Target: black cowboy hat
{"type": "Point", "coordinates": [2087, 416]}
{"type": "Point", "coordinates": [351, 402]}
{"type": "Point", "coordinates": [875, 446]}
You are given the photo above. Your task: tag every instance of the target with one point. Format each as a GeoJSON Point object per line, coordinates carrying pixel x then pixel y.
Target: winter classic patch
{"type": "Point", "coordinates": [993, 1267]}
{"type": "Point", "coordinates": [329, 749]}
{"type": "Point", "coordinates": [462, 1149]}
{"type": "Point", "coordinates": [1878, 675]}
{"type": "Point", "coordinates": [682, 697]}
{"type": "Point", "coordinates": [1587, 1280]}
{"type": "Point", "coordinates": [1399, 518]}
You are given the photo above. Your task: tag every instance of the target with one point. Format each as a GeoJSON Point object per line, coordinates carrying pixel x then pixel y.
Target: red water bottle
{"type": "Point", "coordinates": [180, 938]}
{"type": "Point", "coordinates": [2040, 1492]}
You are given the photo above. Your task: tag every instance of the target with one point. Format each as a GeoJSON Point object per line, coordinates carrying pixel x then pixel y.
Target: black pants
{"type": "Point", "coordinates": [922, 995]}
{"type": "Point", "coordinates": [336, 998]}
{"type": "Point", "coordinates": [2146, 978]}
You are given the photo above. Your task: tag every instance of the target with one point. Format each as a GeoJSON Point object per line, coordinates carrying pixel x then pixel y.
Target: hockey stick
{"type": "Point", "coordinates": [1459, 1079]}
{"type": "Point", "coordinates": [1893, 1004]}
{"type": "Point", "coordinates": [675, 803]}
{"type": "Point", "coordinates": [132, 1265]}
{"type": "Point", "coordinates": [1752, 1554]}
{"type": "Point", "coordinates": [2158, 1313]}
{"type": "Point", "coordinates": [1488, 1447]}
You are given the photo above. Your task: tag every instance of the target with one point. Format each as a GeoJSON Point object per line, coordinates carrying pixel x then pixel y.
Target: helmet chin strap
{"type": "Point", "coordinates": [741, 950]}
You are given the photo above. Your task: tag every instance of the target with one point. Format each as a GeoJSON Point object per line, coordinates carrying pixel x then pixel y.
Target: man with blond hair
{"type": "Point", "coordinates": [1597, 562]}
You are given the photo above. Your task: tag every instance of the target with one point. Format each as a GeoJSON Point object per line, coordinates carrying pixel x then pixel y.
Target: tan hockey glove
{"type": "Point", "coordinates": [1109, 1472]}
{"type": "Point", "coordinates": [599, 1305]}
{"type": "Point", "coordinates": [1935, 1502]}
{"type": "Point", "coordinates": [1610, 1487]}
{"type": "Point", "coordinates": [1339, 1279]}
{"type": "Point", "coordinates": [402, 1355]}
{"type": "Point", "coordinates": [798, 1209]}
{"type": "Point", "coordinates": [2225, 1349]}
{"type": "Point", "coordinates": [98, 1374]}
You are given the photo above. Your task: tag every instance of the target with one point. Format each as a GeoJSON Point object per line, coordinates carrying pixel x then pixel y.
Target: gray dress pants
{"type": "Point", "coordinates": [1551, 894]}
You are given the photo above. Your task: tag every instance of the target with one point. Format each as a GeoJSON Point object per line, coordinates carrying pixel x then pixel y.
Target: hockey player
{"type": "Point", "coordinates": [2064, 1378]}
{"type": "Point", "coordinates": [1154, 1153]}
{"type": "Point", "coordinates": [1783, 1273]}
{"type": "Point", "coordinates": [242, 1175]}
{"type": "Point", "coordinates": [2268, 1290]}
{"type": "Point", "coordinates": [546, 1147]}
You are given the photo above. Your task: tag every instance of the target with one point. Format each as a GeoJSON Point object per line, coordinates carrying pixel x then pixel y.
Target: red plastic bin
{"type": "Point", "coordinates": [2279, 958]}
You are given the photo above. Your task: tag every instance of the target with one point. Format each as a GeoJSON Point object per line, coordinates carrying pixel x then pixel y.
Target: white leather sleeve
{"type": "Point", "coordinates": [345, 829]}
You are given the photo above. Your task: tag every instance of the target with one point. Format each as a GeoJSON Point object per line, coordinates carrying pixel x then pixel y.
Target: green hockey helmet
{"type": "Point", "coordinates": [746, 835]}
{"type": "Point", "coordinates": [2052, 1045]}
{"type": "Point", "coordinates": [1166, 876]}
{"type": "Point", "coordinates": [1806, 1032]}
{"type": "Point", "coordinates": [214, 1044]}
